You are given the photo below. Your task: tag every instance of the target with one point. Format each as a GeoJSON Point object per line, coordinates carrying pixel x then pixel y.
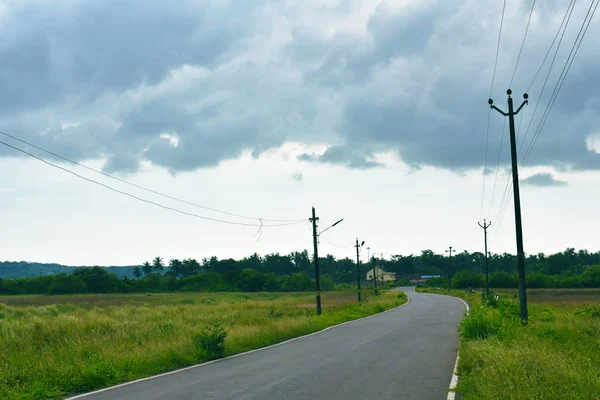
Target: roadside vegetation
{"type": "Point", "coordinates": [53, 346]}
{"type": "Point", "coordinates": [556, 356]}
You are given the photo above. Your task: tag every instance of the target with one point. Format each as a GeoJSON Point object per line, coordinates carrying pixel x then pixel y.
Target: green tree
{"type": "Point", "coordinates": [158, 264]}
{"type": "Point", "coordinates": [10, 286]}
{"type": "Point", "coordinates": [98, 280]}
{"type": "Point", "coordinates": [137, 272]}
{"type": "Point", "coordinates": [67, 284]}
{"type": "Point", "coordinates": [468, 279]}
{"type": "Point", "coordinates": [147, 268]}
{"type": "Point", "coordinates": [190, 267]}
{"type": "Point", "coordinates": [37, 284]}
{"type": "Point", "coordinates": [503, 280]}
{"type": "Point", "coordinates": [175, 268]}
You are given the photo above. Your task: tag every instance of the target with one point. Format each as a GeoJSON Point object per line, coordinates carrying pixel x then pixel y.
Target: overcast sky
{"type": "Point", "coordinates": [371, 111]}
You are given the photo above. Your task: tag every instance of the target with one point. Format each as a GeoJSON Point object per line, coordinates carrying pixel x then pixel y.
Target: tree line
{"type": "Point", "coordinates": [295, 272]}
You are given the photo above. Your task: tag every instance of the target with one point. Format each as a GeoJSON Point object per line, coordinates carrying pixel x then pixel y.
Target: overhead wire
{"type": "Point", "coordinates": [564, 23]}
{"type": "Point", "coordinates": [142, 187]}
{"type": "Point", "coordinates": [497, 165]}
{"type": "Point", "coordinates": [571, 4]}
{"type": "Point", "coordinates": [568, 63]}
{"type": "Point", "coordinates": [522, 44]}
{"type": "Point", "coordinates": [487, 134]}
{"type": "Point", "coordinates": [505, 201]}
{"type": "Point", "coordinates": [261, 225]}
{"type": "Point", "coordinates": [563, 75]}
{"type": "Point", "coordinates": [487, 138]}
{"type": "Point", "coordinates": [498, 49]}
{"type": "Point", "coordinates": [335, 245]}
{"type": "Point", "coordinates": [566, 18]}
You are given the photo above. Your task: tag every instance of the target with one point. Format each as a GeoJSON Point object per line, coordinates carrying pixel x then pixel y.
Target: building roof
{"type": "Point", "coordinates": [379, 271]}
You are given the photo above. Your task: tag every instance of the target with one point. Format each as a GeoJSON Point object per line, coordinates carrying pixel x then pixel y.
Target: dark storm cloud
{"type": "Point", "coordinates": [190, 85]}
{"type": "Point", "coordinates": [543, 179]}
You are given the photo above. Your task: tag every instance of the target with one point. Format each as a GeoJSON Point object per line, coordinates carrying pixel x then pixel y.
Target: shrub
{"type": "Point", "coordinates": [482, 322]}
{"type": "Point", "coordinates": [468, 279]}
{"type": "Point", "coordinates": [210, 342]}
{"type": "Point", "coordinates": [502, 279]}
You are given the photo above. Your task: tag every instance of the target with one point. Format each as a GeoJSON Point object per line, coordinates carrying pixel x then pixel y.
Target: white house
{"type": "Point", "coordinates": [382, 276]}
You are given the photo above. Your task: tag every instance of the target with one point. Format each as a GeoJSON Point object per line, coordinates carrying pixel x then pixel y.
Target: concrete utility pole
{"type": "Point", "coordinates": [449, 251]}
{"type": "Point", "coordinates": [314, 220]}
{"type": "Point", "coordinates": [485, 226]}
{"type": "Point", "coordinates": [358, 267]}
{"type": "Point", "coordinates": [517, 200]}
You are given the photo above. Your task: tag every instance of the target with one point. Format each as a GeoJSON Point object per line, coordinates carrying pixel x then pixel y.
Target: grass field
{"type": "Point", "coordinates": [52, 346]}
{"type": "Point", "coordinates": [556, 356]}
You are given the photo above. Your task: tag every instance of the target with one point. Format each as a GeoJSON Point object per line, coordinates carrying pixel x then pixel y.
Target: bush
{"type": "Point", "coordinates": [210, 342]}
{"type": "Point", "coordinates": [481, 323]}
{"type": "Point", "coordinates": [468, 279]}
{"type": "Point", "coordinates": [503, 280]}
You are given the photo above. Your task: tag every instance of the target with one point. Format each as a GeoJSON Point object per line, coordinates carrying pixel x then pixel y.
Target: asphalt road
{"type": "Point", "coordinates": [405, 353]}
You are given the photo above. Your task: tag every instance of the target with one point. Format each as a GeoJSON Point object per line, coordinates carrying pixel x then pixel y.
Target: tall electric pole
{"type": "Point", "coordinates": [358, 267]}
{"type": "Point", "coordinates": [449, 251]}
{"type": "Point", "coordinates": [517, 200]}
{"type": "Point", "coordinates": [485, 226]}
{"type": "Point", "coordinates": [314, 220]}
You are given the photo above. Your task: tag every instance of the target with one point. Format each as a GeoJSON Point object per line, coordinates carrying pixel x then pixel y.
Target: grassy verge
{"type": "Point", "coordinates": [55, 346]}
{"type": "Point", "coordinates": [556, 356]}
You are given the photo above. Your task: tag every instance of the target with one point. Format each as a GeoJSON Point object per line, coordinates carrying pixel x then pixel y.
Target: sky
{"type": "Point", "coordinates": [372, 111]}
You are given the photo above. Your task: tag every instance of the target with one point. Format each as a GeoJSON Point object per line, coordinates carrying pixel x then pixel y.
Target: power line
{"type": "Point", "coordinates": [487, 134]}
{"type": "Point", "coordinates": [522, 44]}
{"type": "Point", "coordinates": [571, 4]}
{"type": "Point", "coordinates": [335, 245]}
{"type": "Point", "coordinates": [565, 22]}
{"type": "Point", "coordinates": [567, 17]}
{"type": "Point", "coordinates": [487, 137]}
{"type": "Point", "coordinates": [505, 201]}
{"type": "Point", "coordinates": [144, 188]}
{"type": "Point", "coordinates": [563, 76]}
{"type": "Point", "coordinates": [497, 165]}
{"type": "Point", "coordinates": [141, 199]}
{"type": "Point", "coordinates": [498, 48]}
{"type": "Point", "coordinates": [561, 79]}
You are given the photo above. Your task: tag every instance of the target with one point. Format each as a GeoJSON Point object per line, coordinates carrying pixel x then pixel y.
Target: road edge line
{"type": "Point", "coordinates": [454, 379]}
{"type": "Point", "coordinates": [79, 396]}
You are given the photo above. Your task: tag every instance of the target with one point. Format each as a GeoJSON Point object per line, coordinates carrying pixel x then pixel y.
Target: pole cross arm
{"type": "Point", "coordinates": [499, 110]}
{"type": "Point", "coordinates": [521, 106]}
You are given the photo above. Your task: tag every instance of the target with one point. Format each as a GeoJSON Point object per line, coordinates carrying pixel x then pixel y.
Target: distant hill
{"type": "Point", "coordinates": [23, 269]}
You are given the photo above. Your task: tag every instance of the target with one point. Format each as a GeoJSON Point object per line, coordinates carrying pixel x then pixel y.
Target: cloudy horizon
{"type": "Point", "coordinates": [371, 111]}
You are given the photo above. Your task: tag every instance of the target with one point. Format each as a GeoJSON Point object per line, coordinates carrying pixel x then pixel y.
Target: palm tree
{"type": "Point", "coordinates": [137, 272]}
{"type": "Point", "coordinates": [147, 268]}
{"type": "Point", "coordinates": [175, 268]}
{"type": "Point", "coordinates": [158, 265]}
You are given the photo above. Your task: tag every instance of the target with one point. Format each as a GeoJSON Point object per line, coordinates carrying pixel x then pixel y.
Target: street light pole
{"type": "Point", "coordinates": [449, 251]}
{"type": "Point", "coordinates": [314, 220]}
{"type": "Point", "coordinates": [358, 267]}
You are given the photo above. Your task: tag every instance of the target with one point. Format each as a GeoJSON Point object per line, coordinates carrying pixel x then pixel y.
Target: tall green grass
{"type": "Point", "coordinates": [52, 349]}
{"type": "Point", "coordinates": [556, 356]}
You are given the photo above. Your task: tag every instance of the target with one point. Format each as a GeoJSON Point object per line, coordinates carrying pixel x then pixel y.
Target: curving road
{"type": "Point", "coordinates": [405, 353]}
